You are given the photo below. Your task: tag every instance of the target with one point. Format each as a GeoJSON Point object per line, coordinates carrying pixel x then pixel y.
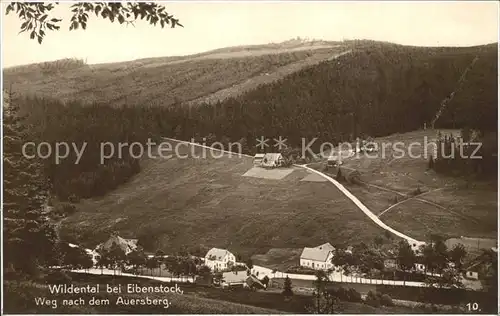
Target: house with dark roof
{"type": "Point", "coordinates": [269, 160]}
{"type": "Point", "coordinates": [219, 259]}
{"type": "Point", "coordinates": [317, 258]}
{"type": "Point", "coordinates": [127, 245]}
{"type": "Point", "coordinates": [241, 278]}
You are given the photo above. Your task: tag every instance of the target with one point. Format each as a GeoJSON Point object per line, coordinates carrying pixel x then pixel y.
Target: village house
{"type": "Point", "coordinates": [219, 259]}
{"type": "Point", "coordinates": [481, 266]}
{"type": "Point", "coordinates": [269, 160]}
{"type": "Point", "coordinates": [241, 278]}
{"type": "Point", "coordinates": [318, 258]}
{"type": "Point", "coordinates": [127, 245]}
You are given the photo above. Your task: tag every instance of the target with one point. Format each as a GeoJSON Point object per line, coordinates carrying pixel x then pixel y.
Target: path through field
{"type": "Point", "coordinates": [363, 208]}
{"type": "Point", "coordinates": [356, 201]}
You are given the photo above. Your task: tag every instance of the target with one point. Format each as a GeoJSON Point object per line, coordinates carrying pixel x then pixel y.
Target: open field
{"type": "Point", "coordinates": [208, 203]}
{"type": "Point", "coordinates": [209, 76]}
{"type": "Point", "coordinates": [446, 207]}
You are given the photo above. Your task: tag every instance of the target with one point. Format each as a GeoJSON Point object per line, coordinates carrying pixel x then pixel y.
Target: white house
{"type": "Point", "coordinates": [269, 160]}
{"type": "Point", "coordinates": [219, 259]}
{"type": "Point", "coordinates": [318, 258]}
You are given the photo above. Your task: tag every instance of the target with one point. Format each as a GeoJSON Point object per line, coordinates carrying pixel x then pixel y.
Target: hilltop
{"type": "Point", "coordinates": [166, 81]}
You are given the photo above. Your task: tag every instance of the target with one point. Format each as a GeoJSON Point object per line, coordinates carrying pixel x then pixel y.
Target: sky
{"type": "Point", "coordinates": [221, 24]}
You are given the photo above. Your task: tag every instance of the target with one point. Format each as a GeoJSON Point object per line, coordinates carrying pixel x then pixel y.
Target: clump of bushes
{"type": "Point", "coordinates": [377, 299]}
{"type": "Point", "coordinates": [347, 295]}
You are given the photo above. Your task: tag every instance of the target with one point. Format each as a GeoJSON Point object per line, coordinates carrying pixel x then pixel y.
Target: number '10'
{"type": "Point", "coordinates": [472, 306]}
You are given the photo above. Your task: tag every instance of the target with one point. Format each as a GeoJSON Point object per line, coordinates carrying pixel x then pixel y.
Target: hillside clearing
{"type": "Point", "coordinates": [185, 203]}
{"type": "Point", "coordinates": [446, 207]}
{"type": "Point", "coordinates": [209, 76]}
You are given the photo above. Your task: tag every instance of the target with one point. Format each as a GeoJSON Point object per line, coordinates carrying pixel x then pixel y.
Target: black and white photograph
{"type": "Point", "coordinates": [250, 157]}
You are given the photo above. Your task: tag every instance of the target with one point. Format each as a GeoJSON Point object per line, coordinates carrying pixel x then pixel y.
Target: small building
{"type": "Point", "coordinates": [241, 279]}
{"type": "Point", "coordinates": [269, 160]}
{"type": "Point", "coordinates": [127, 245]}
{"type": "Point", "coordinates": [333, 161]}
{"type": "Point", "coordinates": [234, 278]}
{"type": "Point", "coordinates": [257, 159]}
{"type": "Point", "coordinates": [253, 282]}
{"type": "Point", "coordinates": [219, 259]}
{"type": "Point", "coordinates": [317, 258]}
{"type": "Point", "coordinates": [472, 272]}
{"type": "Point", "coordinates": [481, 266]}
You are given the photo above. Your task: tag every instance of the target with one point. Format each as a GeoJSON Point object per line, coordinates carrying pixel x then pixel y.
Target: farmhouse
{"type": "Point", "coordinates": [127, 245]}
{"type": "Point", "coordinates": [269, 160]}
{"type": "Point", "coordinates": [219, 259]}
{"type": "Point", "coordinates": [318, 258]}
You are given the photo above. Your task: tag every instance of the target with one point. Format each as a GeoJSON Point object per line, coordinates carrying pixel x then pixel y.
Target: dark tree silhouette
{"type": "Point", "coordinates": [37, 18]}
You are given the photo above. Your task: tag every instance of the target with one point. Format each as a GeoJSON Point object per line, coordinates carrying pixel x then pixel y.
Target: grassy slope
{"type": "Point", "coordinates": [460, 211]}
{"type": "Point", "coordinates": [169, 80]}
{"type": "Point", "coordinates": [188, 202]}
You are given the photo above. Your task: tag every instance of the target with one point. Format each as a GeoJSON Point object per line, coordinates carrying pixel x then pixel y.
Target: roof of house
{"type": "Point", "coordinates": [326, 246]}
{"type": "Point", "coordinates": [273, 156]}
{"type": "Point", "coordinates": [315, 254]}
{"type": "Point", "coordinates": [259, 155]}
{"type": "Point", "coordinates": [235, 277]}
{"type": "Point", "coordinates": [217, 253]}
{"type": "Point", "coordinates": [252, 280]}
{"type": "Point", "coordinates": [126, 245]}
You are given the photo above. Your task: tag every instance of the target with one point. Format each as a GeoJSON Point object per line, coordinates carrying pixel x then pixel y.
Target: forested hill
{"type": "Point", "coordinates": [376, 90]}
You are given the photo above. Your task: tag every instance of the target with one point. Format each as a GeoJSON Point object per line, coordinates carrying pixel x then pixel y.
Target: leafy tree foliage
{"type": "Point", "coordinates": [137, 259]}
{"type": "Point", "coordinates": [323, 302]}
{"type": "Point", "coordinates": [457, 255]}
{"type": "Point", "coordinates": [76, 257]}
{"type": "Point", "coordinates": [37, 18]}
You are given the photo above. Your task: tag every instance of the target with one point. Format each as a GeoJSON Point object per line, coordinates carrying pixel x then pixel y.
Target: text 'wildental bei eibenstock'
{"type": "Point", "coordinates": [107, 294]}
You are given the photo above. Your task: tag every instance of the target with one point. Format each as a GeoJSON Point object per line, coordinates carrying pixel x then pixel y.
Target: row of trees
{"type": "Point", "coordinates": [467, 155]}
{"type": "Point", "coordinates": [370, 92]}
{"type": "Point", "coordinates": [116, 259]}
{"type": "Point", "coordinates": [434, 255]}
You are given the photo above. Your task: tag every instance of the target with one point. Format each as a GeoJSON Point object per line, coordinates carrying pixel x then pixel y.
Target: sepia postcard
{"type": "Point", "coordinates": [250, 157]}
